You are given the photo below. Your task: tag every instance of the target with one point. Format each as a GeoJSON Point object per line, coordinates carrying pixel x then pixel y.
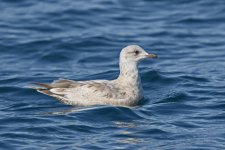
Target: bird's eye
{"type": "Point", "coordinates": [136, 52]}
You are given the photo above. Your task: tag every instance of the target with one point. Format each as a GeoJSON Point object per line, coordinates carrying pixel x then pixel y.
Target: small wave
{"type": "Point", "coordinates": [175, 97]}
{"type": "Point", "coordinates": [195, 78]}
{"type": "Point", "coordinates": [54, 58]}
{"type": "Point", "coordinates": [198, 21]}
{"type": "Point", "coordinates": [155, 76]}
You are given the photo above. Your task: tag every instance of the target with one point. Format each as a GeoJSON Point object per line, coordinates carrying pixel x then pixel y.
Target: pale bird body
{"type": "Point", "coordinates": [126, 90]}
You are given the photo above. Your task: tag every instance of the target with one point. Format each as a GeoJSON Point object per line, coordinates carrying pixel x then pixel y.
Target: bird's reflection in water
{"type": "Point", "coordinates": [81, 109]}
{"type": "Point", "coordinates": [72, 110]}
{"type": "Point", "coordinates": [126, 134]}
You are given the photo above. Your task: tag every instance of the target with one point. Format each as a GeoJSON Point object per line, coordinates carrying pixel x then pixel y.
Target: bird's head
{"type": "Point", "coordinates": [134, 53]}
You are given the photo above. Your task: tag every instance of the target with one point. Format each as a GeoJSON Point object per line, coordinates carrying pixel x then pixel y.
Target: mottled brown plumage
{"type": "Point", "coordinates": [125, 90]}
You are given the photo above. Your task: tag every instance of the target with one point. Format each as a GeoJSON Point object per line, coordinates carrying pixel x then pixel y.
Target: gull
{"type": "Point", "coordinates": [126, 90]}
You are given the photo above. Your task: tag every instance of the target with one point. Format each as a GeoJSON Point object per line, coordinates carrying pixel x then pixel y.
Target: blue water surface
{"type": "Point", "coordinates": [184, 104]}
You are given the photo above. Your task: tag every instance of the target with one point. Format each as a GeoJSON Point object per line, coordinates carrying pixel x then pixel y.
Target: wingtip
{"type": "Point", "coordinates": [41, 85]}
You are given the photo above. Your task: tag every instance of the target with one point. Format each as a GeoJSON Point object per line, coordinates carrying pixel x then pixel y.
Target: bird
{"type": "Point", "coordinates": [125, 90]}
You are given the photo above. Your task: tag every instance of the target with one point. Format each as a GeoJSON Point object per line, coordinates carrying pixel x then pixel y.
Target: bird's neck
{"type": "Point", "coordinates": [129, 73]}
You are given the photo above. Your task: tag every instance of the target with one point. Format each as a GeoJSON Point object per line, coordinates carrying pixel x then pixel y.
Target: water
{"type": "Point", "coordinates": [184, 105]}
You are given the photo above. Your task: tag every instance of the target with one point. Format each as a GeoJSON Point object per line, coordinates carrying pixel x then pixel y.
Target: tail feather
{"type": "Point", "coordinates": [43, 85]}
{"type": "Point", "coordinates": [57, 96]}
{"type": "Point", "coordinates": [46, 89]}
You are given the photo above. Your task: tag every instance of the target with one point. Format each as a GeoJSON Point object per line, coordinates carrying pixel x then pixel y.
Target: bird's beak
{"type": "Point", "coordinates": [151, 56]}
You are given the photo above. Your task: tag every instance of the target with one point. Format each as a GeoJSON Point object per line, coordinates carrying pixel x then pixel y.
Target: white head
{"type": "Point", "coordinates": [134, 53]}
